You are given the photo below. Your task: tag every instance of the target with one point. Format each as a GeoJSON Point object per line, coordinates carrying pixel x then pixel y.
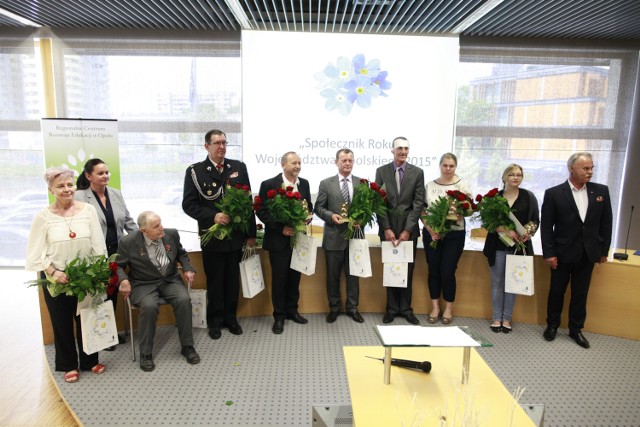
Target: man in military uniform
{"type": "Point", "coordinates": [204, 186]}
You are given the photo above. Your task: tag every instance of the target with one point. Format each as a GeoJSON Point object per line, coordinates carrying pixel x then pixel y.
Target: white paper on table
{"type": "Point", "coordinates": [519, 228]}
{"type": "Point", "coordinates": [401, 253]}
{"type": "Point", "coordinates": [394, 274]}
{"type": "Point", "coordinates": [446, 336]}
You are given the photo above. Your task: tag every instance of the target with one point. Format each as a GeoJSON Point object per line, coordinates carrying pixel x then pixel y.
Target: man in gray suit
{"type": "Point", "coordinates": [151, 255]}
{"type": "Point", "coordinates": [333, 193]}
{"type": "Point", "coordinates": [404, 184]}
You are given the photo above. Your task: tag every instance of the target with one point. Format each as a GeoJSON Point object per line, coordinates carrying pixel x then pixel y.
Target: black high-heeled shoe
{"type": "Point", "coordinates": [496, 328]}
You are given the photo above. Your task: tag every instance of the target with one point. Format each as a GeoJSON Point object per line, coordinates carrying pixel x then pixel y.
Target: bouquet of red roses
{"type": "Point", "coordinates": [495, 212]}
{"type": "Point", "coordinates": [443, 213]}
{"type": "Point", "coordinates": [236, 203]}
{"type": "Point", "coordinates": [89, 276]}
{"type": "Point", "coordinates": [286, 207]}
{"type": "Point", "coordinates": [369, 201]}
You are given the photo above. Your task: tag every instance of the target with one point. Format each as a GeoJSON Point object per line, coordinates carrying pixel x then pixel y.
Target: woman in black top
{"type": "Point", "coordinates": [525, 207]}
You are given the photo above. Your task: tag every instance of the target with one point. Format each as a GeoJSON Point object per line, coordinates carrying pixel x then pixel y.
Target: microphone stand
{"type": "Point", "coordinates": [625, 256]}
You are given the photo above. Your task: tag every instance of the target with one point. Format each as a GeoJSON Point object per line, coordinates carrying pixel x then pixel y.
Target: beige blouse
{"type": "Point", "coordinates": [50, 244]}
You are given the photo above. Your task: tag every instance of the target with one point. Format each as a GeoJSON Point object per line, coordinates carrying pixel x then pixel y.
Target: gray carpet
{"type": "Point", "coordinates": [260, 379]}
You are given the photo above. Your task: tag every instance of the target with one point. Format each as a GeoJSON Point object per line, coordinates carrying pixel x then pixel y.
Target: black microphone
{"type": "Point", "coordinates": [411, 364]}
{"type": "Point", "coordinates": [624, 256]}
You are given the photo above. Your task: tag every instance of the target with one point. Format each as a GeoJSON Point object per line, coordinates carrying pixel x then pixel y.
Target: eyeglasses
{"type": "Point", "coordinates": [515, 175]}
{"type": "Point", "coordinates": [218, 143]}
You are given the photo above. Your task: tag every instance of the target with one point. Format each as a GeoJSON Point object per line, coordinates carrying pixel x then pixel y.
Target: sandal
{"type": "Point", "coordinates": [433, 319]}
{"type": "Point", "coordinates": [447, 320]}
{"type": "Point", "coordinates": [71, 376]}
{"type": "Point", "coordinates": [98, 369]}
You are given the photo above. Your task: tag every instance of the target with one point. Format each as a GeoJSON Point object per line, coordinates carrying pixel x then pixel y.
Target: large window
{"type": "Point", "coordinates": [22, 192]}
{"type": "Point", "coordinates": [165, 97]}
{"type": "Point", "coordinates": [536, 109]}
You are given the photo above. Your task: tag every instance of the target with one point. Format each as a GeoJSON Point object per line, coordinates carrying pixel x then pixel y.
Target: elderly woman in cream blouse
{"type": "Point", "coordinates": [61, 232]}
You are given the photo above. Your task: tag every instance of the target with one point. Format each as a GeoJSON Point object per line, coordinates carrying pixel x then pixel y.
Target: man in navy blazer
{"type": "Point", "coordinates": [147, 271]}
{"type": "Point", "coordinates": [204, 187]}
{"type": "Point", "coordinates": [285, 282]}
{"type": "Point", "coordinates": [336, 248]}
{"type": "Point", "coordinates": [576, 225]}
{"type": "Point", "coordinates": [401, 222]}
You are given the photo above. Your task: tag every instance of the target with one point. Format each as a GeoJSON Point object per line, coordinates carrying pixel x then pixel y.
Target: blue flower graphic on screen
{"type": "Point", "coordinates": [352, 82]}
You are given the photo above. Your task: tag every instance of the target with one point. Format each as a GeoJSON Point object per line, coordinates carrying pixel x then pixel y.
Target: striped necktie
{"type": "Point", "coordinates": [345, 190]}
{"type": "Point", "coordinates": [161, 257]}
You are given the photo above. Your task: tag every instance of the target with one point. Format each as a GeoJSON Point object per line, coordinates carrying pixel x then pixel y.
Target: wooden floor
{"type": "Point", "coordinates": [28, 396]}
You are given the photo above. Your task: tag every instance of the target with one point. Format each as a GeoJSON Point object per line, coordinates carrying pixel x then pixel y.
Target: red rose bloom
{"type": "Point", "coordinates": [289, 188]}
{"type": "Point", "coordinates": [238, 186]}
{"type": "Point", "coordinates": [281, 191]}
{"type": "Point", "coordinates": [297, 195]}
{"type": "Point", "coordinates": [113, 267]}
{"type": "Point", "coordinates": [113, 280]}
{"type": "Point", "coordinates": [383, 193]}
{"type": "Point", "coordinates": [461, 197]}
{"type": "Point", "coordinates": [245, 187]}
{"type": "Point", "coordinates": [374, 186]}
{"type": "Point", "coordinates": [258, 201]}
{"type": "Point", "coordinates": [478, 198]}
{"type": "Point", "coordinates": [363, 181]}
{"type": "Point", "coordinates": [271, 194]}
{"type": "Point", "coordinates": [289, 194]}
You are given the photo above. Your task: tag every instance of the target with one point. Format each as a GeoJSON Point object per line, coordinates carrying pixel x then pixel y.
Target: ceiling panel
{"type": "Point", "coordinates": [575, 19]}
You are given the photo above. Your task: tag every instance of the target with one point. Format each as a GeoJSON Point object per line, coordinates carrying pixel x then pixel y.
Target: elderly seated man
{"type": "Point", "coordinates": [151, 254]}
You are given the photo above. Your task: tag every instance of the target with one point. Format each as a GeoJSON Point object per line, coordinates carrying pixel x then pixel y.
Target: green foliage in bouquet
{"type": "Point", "coordinates": [494, 211]}
{"type": "Point", "coordinates": [368, 204]}
{"type": "Point", "coordinates": [436, 217]}
{"type": "Point", "coordinates": [90, 276]}
{"type": "Point", "coordinates": [236, 203]}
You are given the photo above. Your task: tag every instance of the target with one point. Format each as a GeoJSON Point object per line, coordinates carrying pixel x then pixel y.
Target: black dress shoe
{"type": "Point", "coordinates": [357, 317]}
{"type": "Point", "coordinates": [332, 316]}
{"type": "Point", "coordinates": [146, 363]}
{"type": "Point", "coordinates": [235, 329]}
{"type": "Point", "coordinates": [297, 318]}
{"type": "Point", "coordinates": [190, 353]}
{"type": "Point", "coordinates": [215, 333]}
{"type": "Point", "coordinates": [278, 327]}
{"type": "Point", "coordinates": [579, 338]}
{"type": "Point", "coordinates": [411, 318]}
{"type": "Point", "coordinates": [550, 333]}
{"type": "Point", "coordinates": [388, 318]}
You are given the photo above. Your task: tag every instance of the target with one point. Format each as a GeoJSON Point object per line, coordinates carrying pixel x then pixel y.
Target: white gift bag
{"type": "Point", "coordinates": [251, 273]}
{"type": "Point", "coordinates": [518, 278]}
{"type": "Point", "coordinates": [359, 259]}
{"type": "Point", "coordinates": [198, 307]}
{"type": "Point", "coordinates": [99, 329]}
{"type": "Point", "coordinates": [304, 254]}
{"type": "Point", "coordinates": [394, 274]}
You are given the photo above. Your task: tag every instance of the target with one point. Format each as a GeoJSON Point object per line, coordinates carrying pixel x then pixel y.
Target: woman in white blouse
{"type": "Point", "coordinates": [61, 232]}
{"type": "Point", "coordinates": [443, 260]}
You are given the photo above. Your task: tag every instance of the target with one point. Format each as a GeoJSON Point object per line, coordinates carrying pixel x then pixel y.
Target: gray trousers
{"type": "Point", "coordinates": [337, 261]}
{"type": "Point", "coordinates": [175, 294]}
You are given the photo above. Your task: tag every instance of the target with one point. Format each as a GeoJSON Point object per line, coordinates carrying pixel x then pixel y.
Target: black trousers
{"type": "Point", "coordinates": [338, 261]}
{"type": "Point", "coordinates": [62, 311]}
{"type": "Point", "coordinates": [399, 299]}
{"type": "Point", "coordinates": [223, 286]}
{"type": "Point", "coordinates": [443, 262]}
{"type": "Point", "coordinates": [285, 284]}
{"type": "Point", "coordinates": [579, 273]}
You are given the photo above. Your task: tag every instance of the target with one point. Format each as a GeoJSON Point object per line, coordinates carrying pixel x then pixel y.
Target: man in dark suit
{"type": "Point", "coordinates": [404, 184]}
{"type": "Point", "coordinates": [204, 187]}
{"type": "Point", "coordinates": [576, 233]}
{"type": "Point", "coordinates": [285, 281]}
{"type": "Point", "coordinates": [333, 193]}
{"type": "Point", "coordinates": [147, 271]}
